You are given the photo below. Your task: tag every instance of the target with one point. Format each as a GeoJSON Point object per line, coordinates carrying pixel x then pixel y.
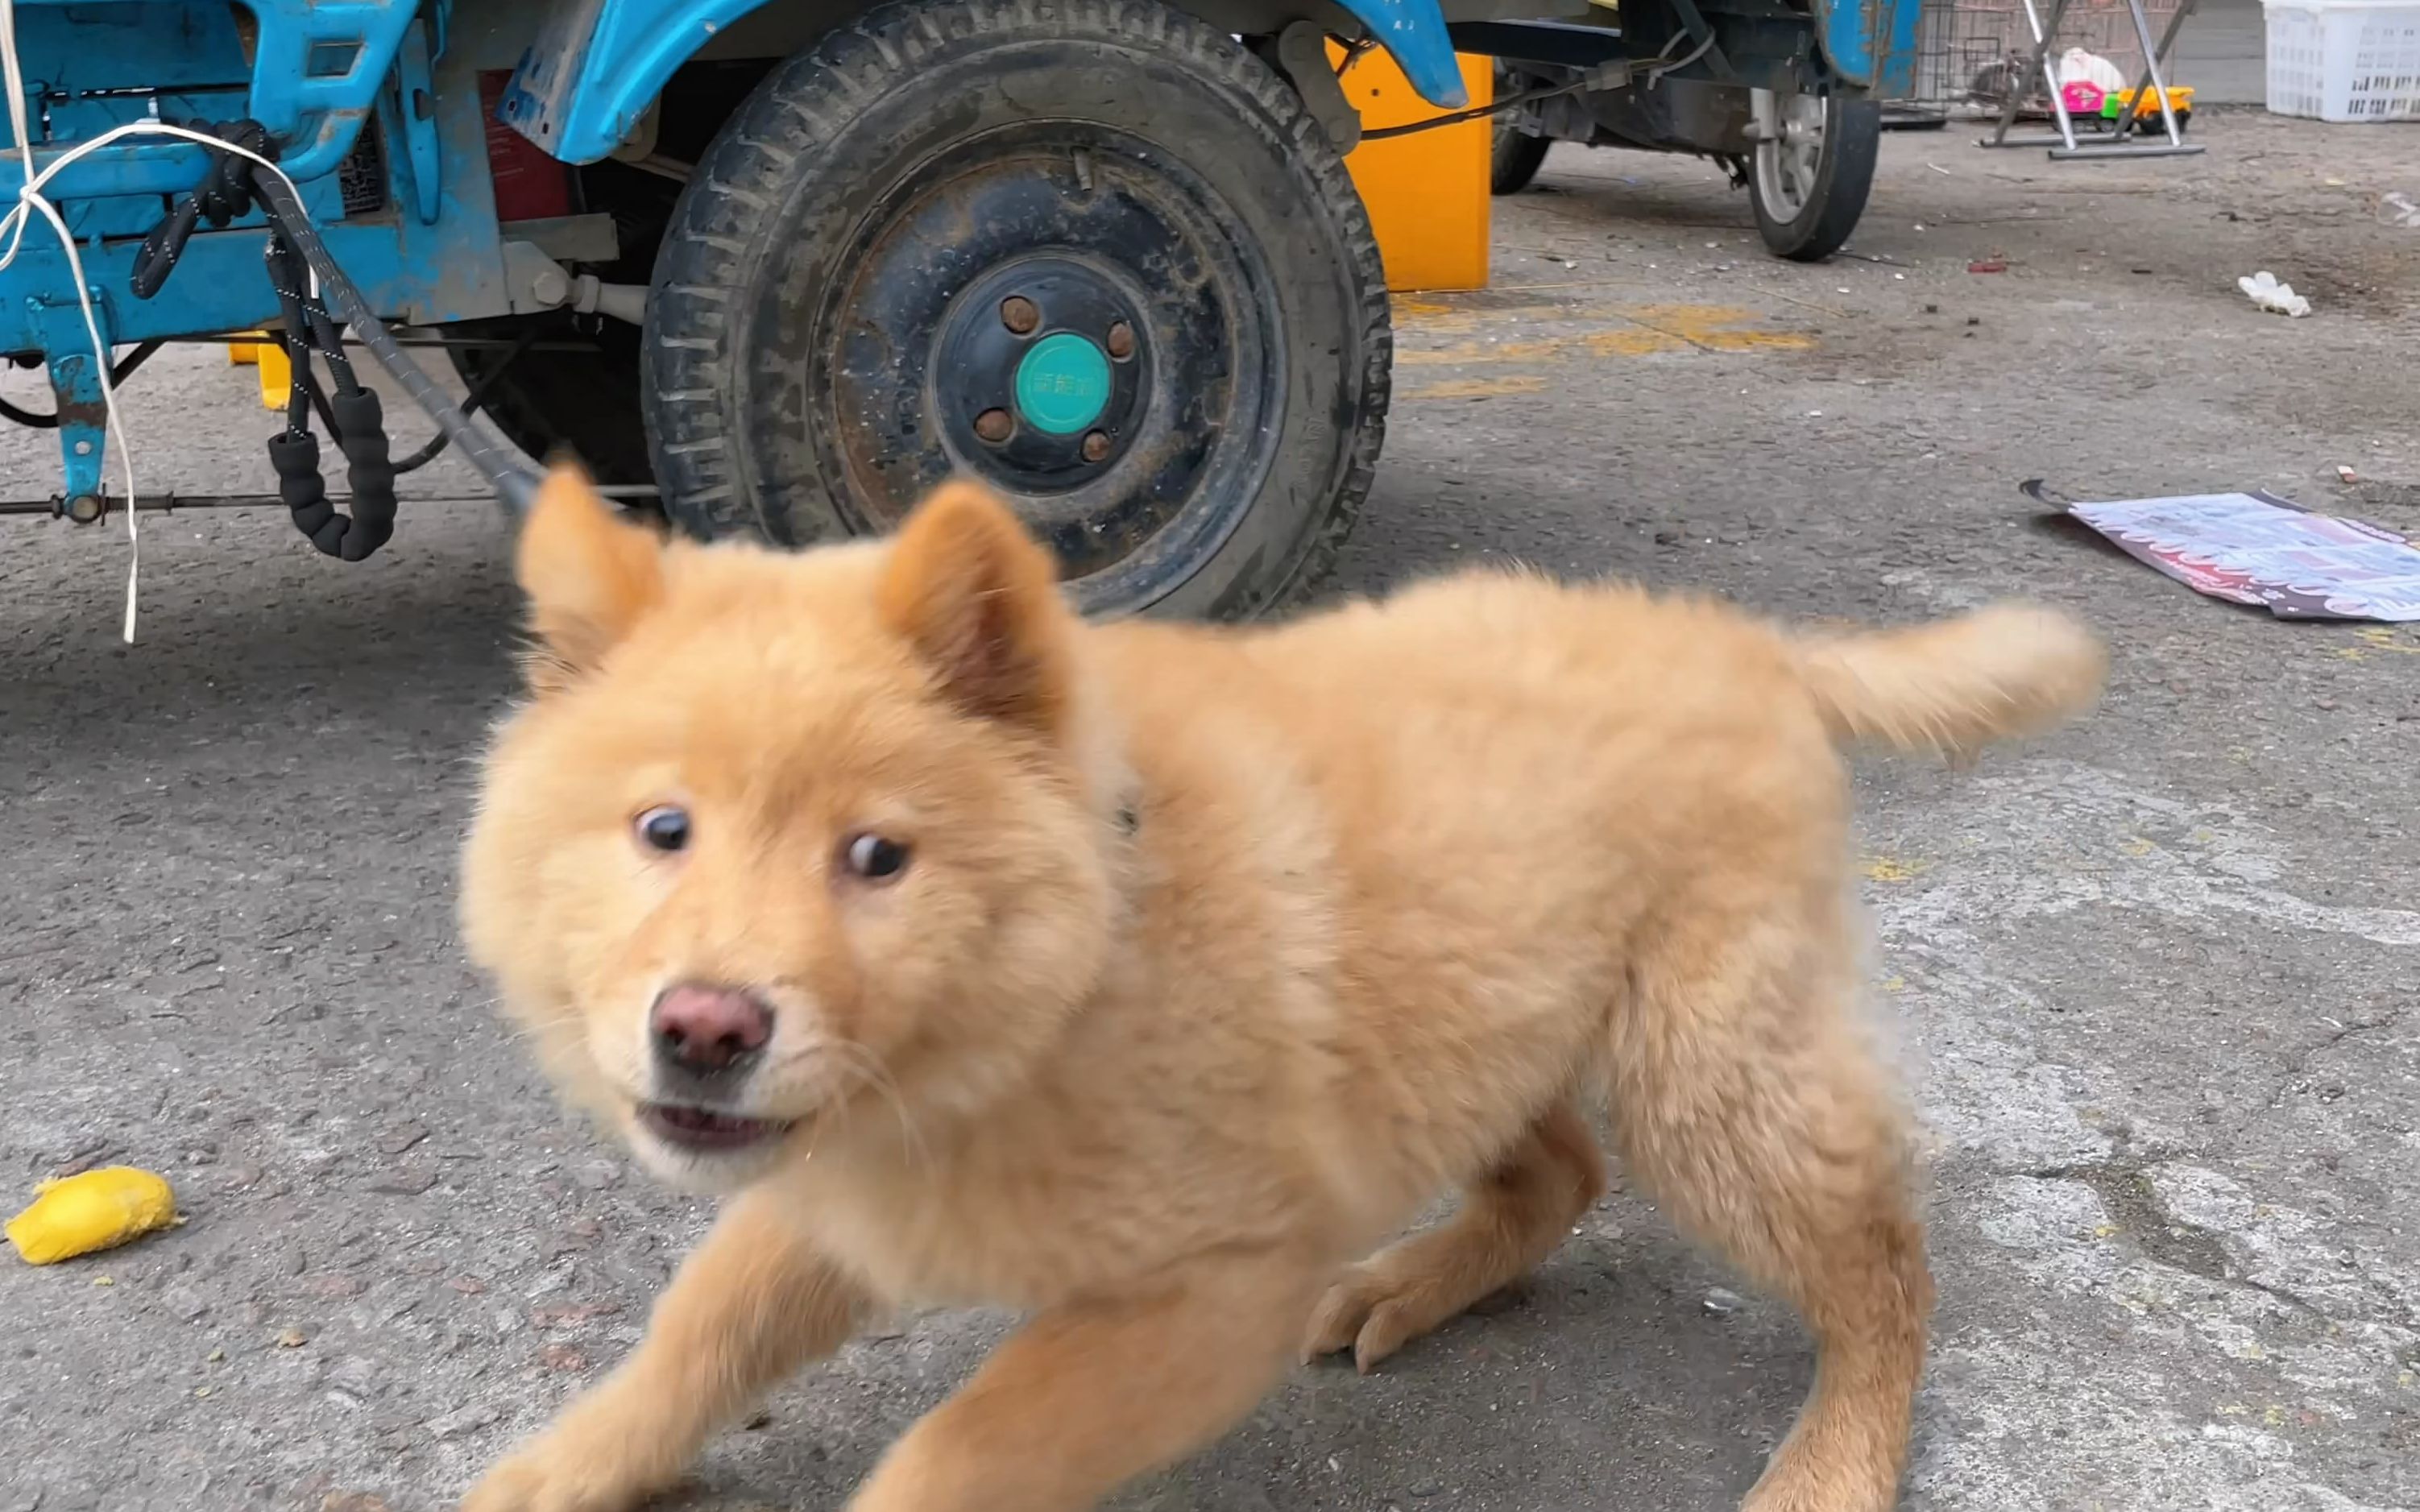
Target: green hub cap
{"type": "Point", "coordinates": [1063, 384]}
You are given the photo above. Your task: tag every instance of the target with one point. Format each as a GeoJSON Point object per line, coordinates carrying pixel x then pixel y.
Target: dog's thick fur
{"type": "Point", "coordinates": [1218, 954]}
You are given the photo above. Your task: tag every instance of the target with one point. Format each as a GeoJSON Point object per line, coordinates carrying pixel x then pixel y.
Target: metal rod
{"type": "Point", "coordinates": [2039, 61]}
{"type": "Point", "coordinates": [2050, 70]}
{"type": "Point", "coordinates": [2082, 148]}
{"type": "Point", "coordinates": [2151, 54]}
{"type": "Point", "coordinates": [2130, 114]}
{"type": "Point", "coordinates": [490, 344]}
{"type": "Point", "coordinates": [2064, 147]}
{"type": "Point", "coordinates": [169, 504]}
{"type": "Point", "coordinates": [2126, 149]}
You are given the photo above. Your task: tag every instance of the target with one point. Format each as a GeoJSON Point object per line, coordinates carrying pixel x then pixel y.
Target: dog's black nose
{"type": "Point", "coordinates": [709, 1032]}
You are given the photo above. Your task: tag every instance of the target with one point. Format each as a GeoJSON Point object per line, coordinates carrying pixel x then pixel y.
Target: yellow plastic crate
{"type": "Point", "coordinates": [1427, 193]}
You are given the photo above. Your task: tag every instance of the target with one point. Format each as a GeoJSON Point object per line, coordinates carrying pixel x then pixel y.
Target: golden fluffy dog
{"type": "Point", "coordinates": [1144, 978]}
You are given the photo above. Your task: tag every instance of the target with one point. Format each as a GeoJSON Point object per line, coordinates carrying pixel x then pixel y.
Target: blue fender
{"type": "Point", "coordinates": [585, 82]}
{"type": "Point", "coordinates": [1870, 43]}
{"type": "Point", "coordinates": [1412, 32]}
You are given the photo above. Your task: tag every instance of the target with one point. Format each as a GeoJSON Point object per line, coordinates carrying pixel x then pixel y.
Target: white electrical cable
{"type": "Point", "coordinates": [30, 197]}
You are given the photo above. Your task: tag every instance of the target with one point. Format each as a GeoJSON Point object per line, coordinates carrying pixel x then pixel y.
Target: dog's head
{"type": "Point", "coordinates": [791, 848]}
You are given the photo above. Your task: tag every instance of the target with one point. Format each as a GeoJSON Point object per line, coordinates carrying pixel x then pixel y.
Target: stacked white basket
{"type": "Point", "coordinates": [2343, 60]}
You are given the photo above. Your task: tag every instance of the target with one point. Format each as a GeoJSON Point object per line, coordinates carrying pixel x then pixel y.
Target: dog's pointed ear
{"type": "Point", "coordinates": [589, 574]}
{"type": "Point", "coordinates": [978, 599]}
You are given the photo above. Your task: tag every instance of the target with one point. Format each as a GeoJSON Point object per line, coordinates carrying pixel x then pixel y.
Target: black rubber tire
{"type": "Point", "coordinates": [587, 402]}
{"type": "Point", "coordinates": [1515, 161]}
{"type": "Point", "coordinates": [1852, 136]}
{"type": "Point", "coordinates": [734, 358]}
{"type": "Point", "coordinates": [1516, 155]}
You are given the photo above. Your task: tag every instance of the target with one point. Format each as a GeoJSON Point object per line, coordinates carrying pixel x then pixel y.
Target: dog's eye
{"type": "Point", "coordinates": [876, 858]}
{"type": "Point", "coordinates": [664, 828]}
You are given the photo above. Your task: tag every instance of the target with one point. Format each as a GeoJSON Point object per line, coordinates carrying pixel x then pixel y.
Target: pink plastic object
{"type": "Point", "coordinates": [2081, 97]}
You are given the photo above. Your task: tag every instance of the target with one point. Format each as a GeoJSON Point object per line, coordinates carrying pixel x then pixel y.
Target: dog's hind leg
{"type": "Point", "coordinates": [1748, 1104]}
{"type": "Point", "coordinates": [1510, 1220]}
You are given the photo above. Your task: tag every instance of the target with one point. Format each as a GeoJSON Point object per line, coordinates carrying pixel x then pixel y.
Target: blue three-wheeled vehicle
{"type": "Point", "coordinates": [778, 266]}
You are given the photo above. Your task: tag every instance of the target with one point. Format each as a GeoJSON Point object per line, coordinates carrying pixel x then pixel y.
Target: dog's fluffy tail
{"type": "Point", "coordinates": [1955, 685]}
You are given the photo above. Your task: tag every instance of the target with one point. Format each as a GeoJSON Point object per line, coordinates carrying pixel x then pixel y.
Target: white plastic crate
{"type": "Point", "coordinates": [2343, 60]}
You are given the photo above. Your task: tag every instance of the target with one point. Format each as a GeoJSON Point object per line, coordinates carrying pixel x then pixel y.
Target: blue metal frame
{"type": "Point", "coordinates": [317, 71]}
{"type": "Point", "coordinates": [591, 74]}
{"type": "Point", "coordinates": [1870, 43]}
{"type": "Point", "coordinates": [316, 66]}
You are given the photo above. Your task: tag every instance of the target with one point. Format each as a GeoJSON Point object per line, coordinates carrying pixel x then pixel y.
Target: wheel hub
{"type": "Point", "coordinates": [1038, 374]}
{"type": "Point", "coordinates": [1789, 147]}
{"type": "Point", "coordinates": [1063, 312]}
{"type": "Point", "coordinates": [1063, 384]}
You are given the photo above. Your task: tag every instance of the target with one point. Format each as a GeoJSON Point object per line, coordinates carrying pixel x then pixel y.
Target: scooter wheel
{"type": "Point", "coordinates": [1812, 167]}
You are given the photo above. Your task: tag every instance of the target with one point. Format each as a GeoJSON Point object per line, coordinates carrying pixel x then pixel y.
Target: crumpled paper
{"type": "Point", "coordinates": [2264, 291]}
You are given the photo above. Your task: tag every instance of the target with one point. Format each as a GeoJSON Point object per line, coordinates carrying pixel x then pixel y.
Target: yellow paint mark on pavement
{"type": "Point", "coordinates": [1716, 328]}
{"type": "Point", "coordinates": [1639, 340]}
{"type": "Point", "coordinates": [1891, 869]}
{"type": "Point", "coordinates": [1476, 388]}
{"type": "Point", "coordinates": [1624, 330]}
{"type": "Point", "coordinates": [2376, 637]}
{"type": "Point", "coordinates": [1423, 316]}
{"type": "Point", "coordinates": [1476, 353]}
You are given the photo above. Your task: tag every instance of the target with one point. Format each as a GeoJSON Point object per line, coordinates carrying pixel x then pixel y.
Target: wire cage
{"type": "Point", "coordinates": [1971, 54]}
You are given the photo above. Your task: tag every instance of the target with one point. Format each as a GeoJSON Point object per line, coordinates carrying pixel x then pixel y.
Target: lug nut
{"type": "Point", "coordinates": [1121, 341]}
{"type": "Point", "coordinates": [1096, 446]}
{"type": "Point", "coordinates": [994, 425]}
{"type": "Point", "coordinates": [1019, 314]}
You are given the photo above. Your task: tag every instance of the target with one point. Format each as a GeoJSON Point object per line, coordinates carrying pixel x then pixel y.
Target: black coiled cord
{"type": "Point", "coordinates": [224, 196]}
{"type": "Point", "coordinates": [350, 414]}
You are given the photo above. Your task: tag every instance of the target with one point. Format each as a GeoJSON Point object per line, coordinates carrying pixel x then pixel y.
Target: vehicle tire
{"type": "Point", "coordinates": [1517, 154]}
{"type": "Point", "coordinates": [578, 390]}
{"type": "Point", "coordinates": [1812, 168]}
{"type": "Point", "coordinates": [1091, 252]}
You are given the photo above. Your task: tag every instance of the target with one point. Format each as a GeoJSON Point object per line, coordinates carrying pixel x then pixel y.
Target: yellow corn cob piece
{"type": "Point", "coordinates": [91, 1210]}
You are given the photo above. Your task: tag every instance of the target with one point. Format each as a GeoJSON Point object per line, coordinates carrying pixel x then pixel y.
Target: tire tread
{"type": "Point", "coordinates": [710, 259]}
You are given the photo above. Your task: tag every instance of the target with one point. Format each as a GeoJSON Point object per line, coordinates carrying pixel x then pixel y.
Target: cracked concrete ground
{"type": "Point", "coordinates": [2152, 979]}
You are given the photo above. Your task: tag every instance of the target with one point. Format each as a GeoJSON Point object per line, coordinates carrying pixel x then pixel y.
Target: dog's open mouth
{"type": "Point", "coordinates": [693, 1128]}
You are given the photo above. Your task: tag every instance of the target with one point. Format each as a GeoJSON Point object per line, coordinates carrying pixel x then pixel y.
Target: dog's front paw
{"type": "Point", "coordinates": [1371, 1314]}
{"type": "Point", "coordinates": [566, 1472]}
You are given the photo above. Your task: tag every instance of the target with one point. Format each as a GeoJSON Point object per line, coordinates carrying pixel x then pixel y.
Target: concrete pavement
{"type": "Point", "coordinates": [2152, 979]}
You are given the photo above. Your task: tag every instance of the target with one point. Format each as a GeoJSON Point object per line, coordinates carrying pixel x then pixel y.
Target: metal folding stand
{"type": "Point", "coordinates": [2066, 144]}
